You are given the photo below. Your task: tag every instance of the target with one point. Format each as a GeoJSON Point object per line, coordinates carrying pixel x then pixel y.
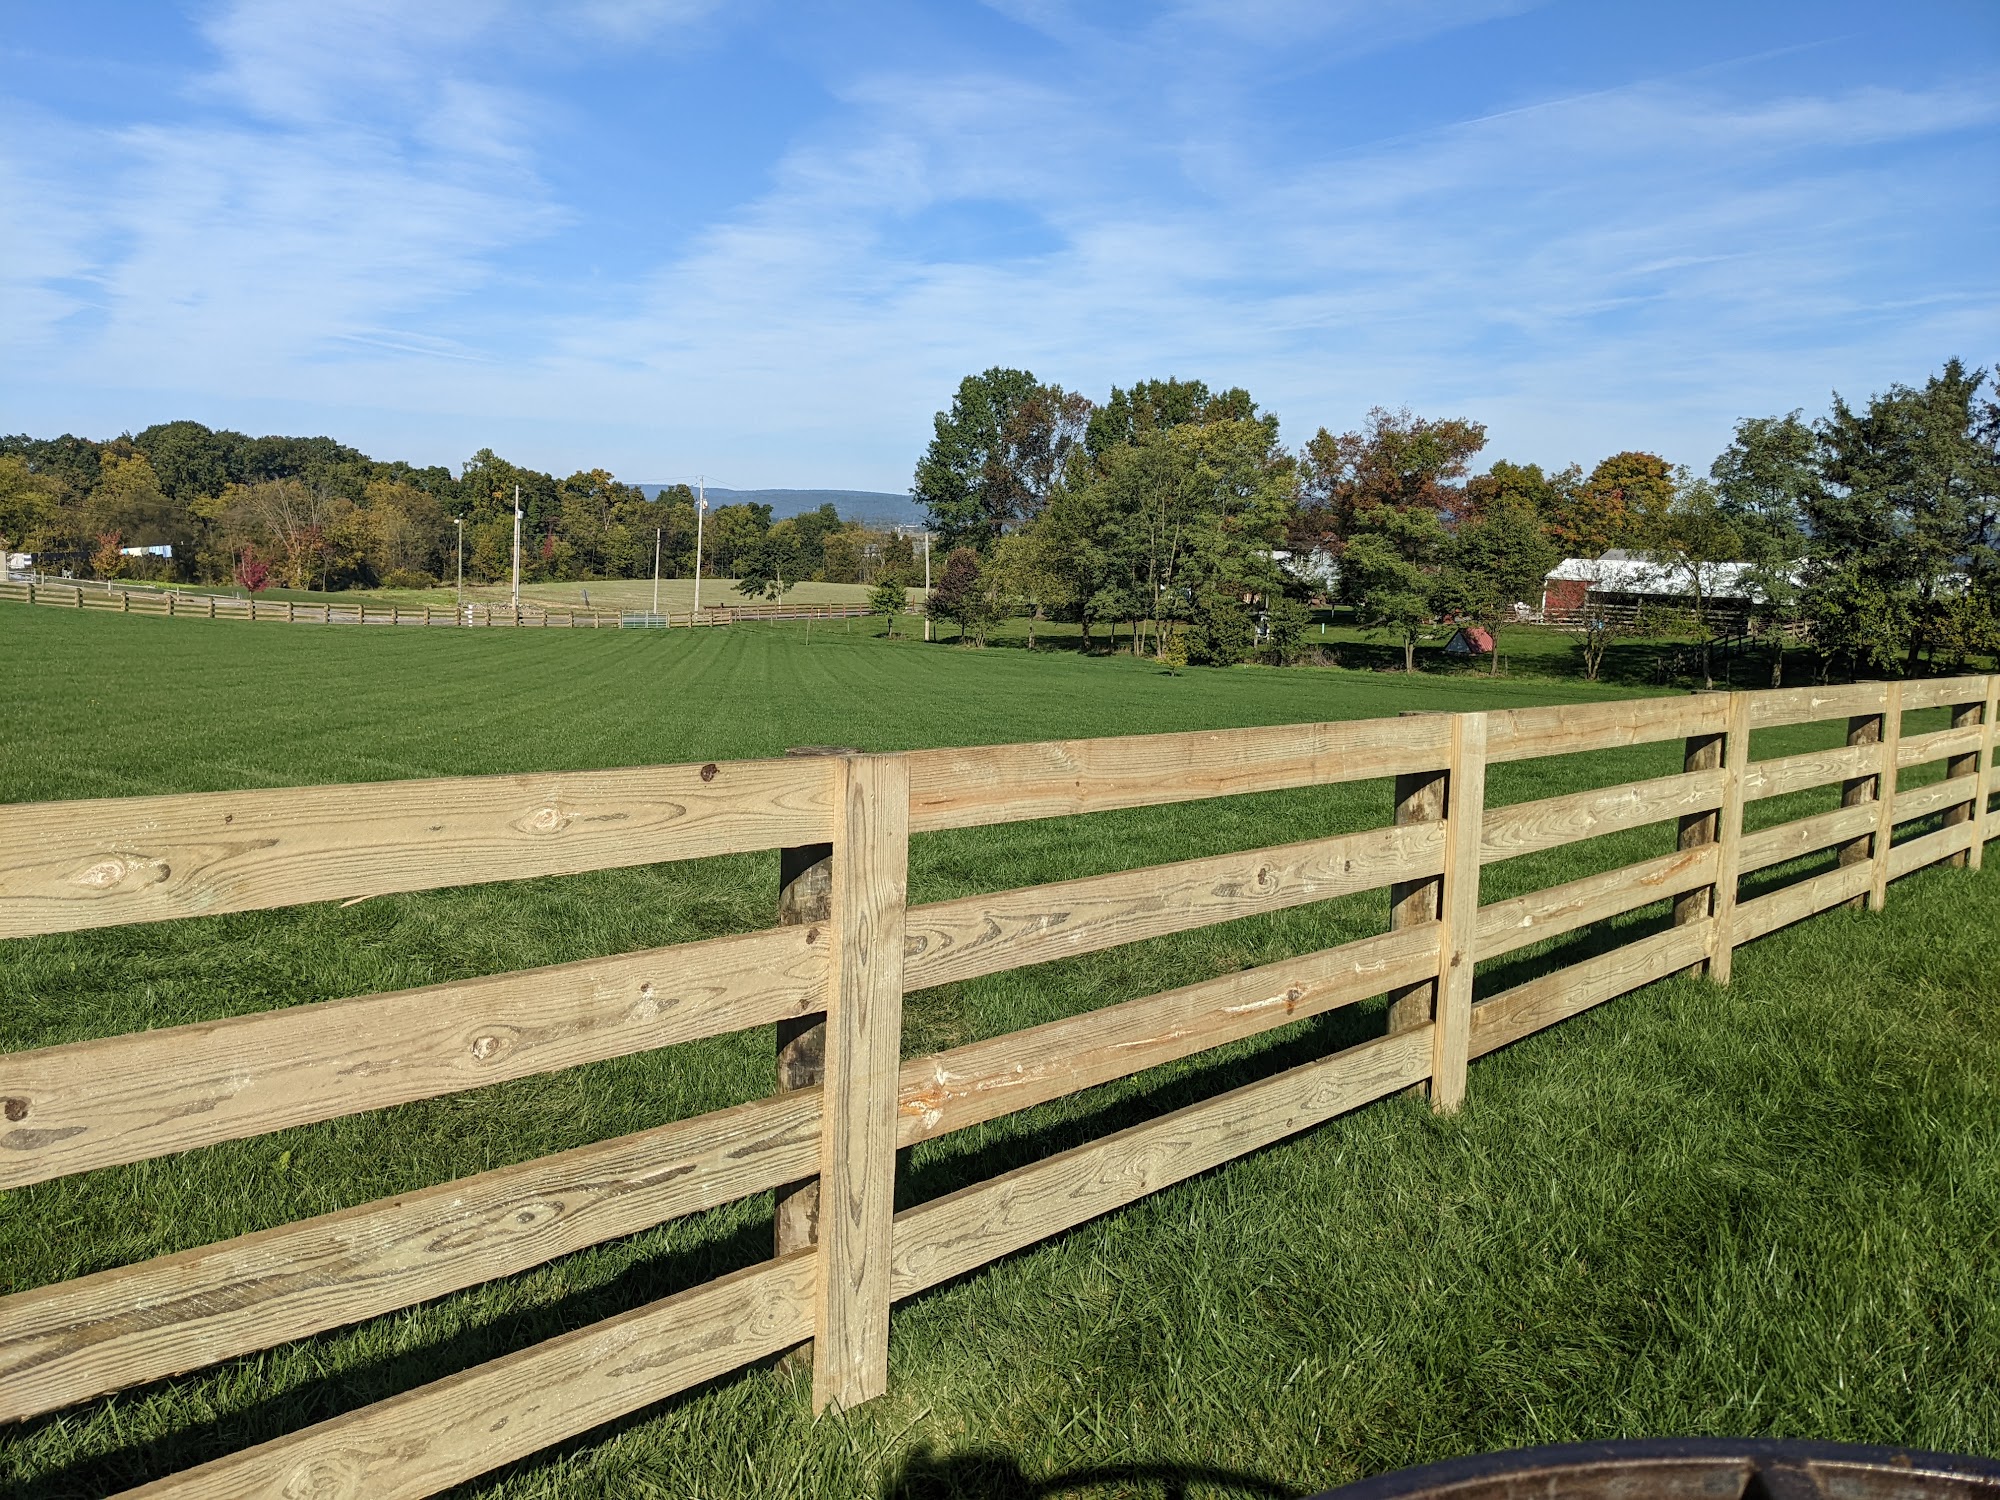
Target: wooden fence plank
{"type": "Point", "coordinates": [1943, 692]}
{"type": "Point", "coordinates": [986, 1079]}
{"type": "Point", "coordinates": [1549, 823]}
{"type": "Point", "coordinates": [1505, 926]}
{"type": "Point", "coordinates": [457, 1428]}
{"type": "Point", "coordinates": [957, 1233]}
{"type": "Point", "coordinates": [1528, 1008]}
{"type": "Point", "coordinates": [1803, 836]}
{"type": "Point", "coordinates": [1803, 898]}
{"type": "Point", "coordinates": [962, 788]}
{"type": "Point", "coordinates": [75, 1339]}
{"type": "Point", "coordinates": [1576, 728]}
{"type": "Point", "coordinates": [1927, 849]}
{"type": "Point", "coordinates": [1955, 792]}
{"type": "Point", "coordinates": [1885, 797]}
{"type": "Point", "coordinates": [974, 935]}
{"type": "Point", "coordinates": [1771, 710]}
{"type": "Point", "coordinates": [126, 1098]}
{"type": "Point", "coordinates": [1797, 773]}
{"type": "Point", "coordinates": [1983, 790]}
{"type": "Point", "coordinates": [1729, 834]}
{"type": "Point", "coordinates": [864, 1024]}
{"type": "Point", "coordinates": [1458, 934]}
{"type": "Point", "coordinates": [71, 865]}
{"type": "Point", "coordinates": [1939, 744]}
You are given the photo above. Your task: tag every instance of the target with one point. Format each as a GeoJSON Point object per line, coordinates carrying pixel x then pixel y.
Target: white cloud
{"type": "Point", "coordinates": [1635, 266]}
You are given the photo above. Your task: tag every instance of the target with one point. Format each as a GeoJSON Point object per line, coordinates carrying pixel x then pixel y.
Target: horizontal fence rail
{"type": "Point", "coordinates": [184, 604]}
{"type": "Point", "coordinates": [837, 968]}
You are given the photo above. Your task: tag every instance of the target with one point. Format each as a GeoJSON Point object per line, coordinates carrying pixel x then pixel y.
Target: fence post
{"type": "Point", "coordinates": [1862, 729]}
{"type": "Point", "coordinates": [1964, 716]}
{"type": "Point", "coordinates": [1704, 753]}
{"type": "Point", "coordinates": [171, 593]}
{"type": "Point", "coordinates": [1729, 858]}
{"type": "Point", "coordinates": [1412, 903]}
{"type": "Point", "coordinates": [863, 1053]}
{"type": "Point", "coordinates": [124, 601]}
{"type": "Point", "coordinates": [211, 606]}
{"type": "Point", "coordinates": [1885, 798]}
{"type": "Point", "coordinates": [1989, 746]}
{"type": "Point", "coordinates": [1465, 810]}
{"type": "Point", "coordinates": [805, 899]}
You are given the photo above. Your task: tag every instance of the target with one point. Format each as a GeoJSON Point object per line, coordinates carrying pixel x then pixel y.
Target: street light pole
{"type": "Point", "coordinates": [700, 510]}
{"type": "Point", "coordinates": [656, 572]}
{"type": "Point", "coordinates": [459, 522]}
{"type": "Point", "coordinates": [927, 585]}
{"type": "Point", "coordinates": [517, 551]}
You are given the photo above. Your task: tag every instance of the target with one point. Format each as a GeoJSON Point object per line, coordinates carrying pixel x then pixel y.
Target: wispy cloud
{"type": "Point", "coordinates": [347, 218]}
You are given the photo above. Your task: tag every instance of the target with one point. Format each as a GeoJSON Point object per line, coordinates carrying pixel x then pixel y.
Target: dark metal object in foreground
{"type": "Point", "coordinates": [1691, 1469]}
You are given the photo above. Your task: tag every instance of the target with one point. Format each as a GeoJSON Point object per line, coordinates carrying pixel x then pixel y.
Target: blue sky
{"type": "Point", "coordinates": [763, 241]}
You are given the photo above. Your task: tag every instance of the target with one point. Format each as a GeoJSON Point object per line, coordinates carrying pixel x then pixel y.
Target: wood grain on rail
{"type": "Point", "coordinates": [1803, 836]}
{"type": "Point", "coordinates": [1916, 802]}
{"type": "Point", "coordinates": [1528, 1008]}
{"type": "Point", "coordinates": [76, 1339]}
{"type": "Point", "coordinates": [1576, 728]}
{"type": "Point", "coordinates": [1798, 773]}
{"type": "Point", "coordinates": [961, 788]}
{"type": "Point", "coordinates": [1943, 692]}
{"type": "Point", "coordinates": [1917, 749]}
{"type": "Point", "coordinates": [457, 1428]}
{"type": "Point", "coordinates": [143, 1094]}
{"type": "Point", "coordinates": [987, 1079]}
{"type": "Point", "coordinates": [1530, 827]}
{"type": "Point", "coordinates": [954, 1234]}
{"type": "Point", "coordinates": [71, 865]}
{"type": "Point", "coordinates": [1806, 705]}
{"type": "Point", "coordinates": [1505, 926]}
{"type": "Point", "coordinates": [975, 935]}
{"type": "Point", "coordinates": [1803, 898]}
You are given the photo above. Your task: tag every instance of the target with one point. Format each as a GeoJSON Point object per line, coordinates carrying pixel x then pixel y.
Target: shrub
{"type": "Point", "coordinates": [407, 578]}
{"type": "Point", "coordinates": [1220, 634]}
{"type": "Point", "coordinates": [1285, 621]}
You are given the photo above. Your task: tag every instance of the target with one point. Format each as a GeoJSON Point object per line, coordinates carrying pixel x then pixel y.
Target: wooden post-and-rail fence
{"type": "Point", "coordinates": [336, 610]}
{"type": "Point", "coordinates": [832, 974]}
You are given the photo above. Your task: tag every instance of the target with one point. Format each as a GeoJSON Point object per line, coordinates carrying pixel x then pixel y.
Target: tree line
{"type": "Point", "coordinates": [1176, 513]}
{"type": "Point", "coordinates": [315, 513]}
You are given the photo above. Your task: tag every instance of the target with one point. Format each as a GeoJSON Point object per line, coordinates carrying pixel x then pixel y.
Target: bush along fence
{"type": "Point", "coordinates": [175, 604]}
{"type": "Point", "coordinates": [832, 974]}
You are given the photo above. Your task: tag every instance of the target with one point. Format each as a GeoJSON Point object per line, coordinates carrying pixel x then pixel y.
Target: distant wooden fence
{"type": "Point", "coordinates": [848, 960]}
{"type": "Point", "coordinates": [333, 610]}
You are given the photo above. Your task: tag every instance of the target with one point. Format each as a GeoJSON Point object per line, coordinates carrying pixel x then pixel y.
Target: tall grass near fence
{"type": "Point", "coordinates": [119, 1100]}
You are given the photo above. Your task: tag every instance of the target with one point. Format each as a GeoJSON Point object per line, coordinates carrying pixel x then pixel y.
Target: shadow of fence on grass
{"type": "Point", "coordinates": [990, 1474]}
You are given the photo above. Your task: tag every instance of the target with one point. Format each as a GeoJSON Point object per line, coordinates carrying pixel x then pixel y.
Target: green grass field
{"type": "Point", "coordinates": [1764, 1210]}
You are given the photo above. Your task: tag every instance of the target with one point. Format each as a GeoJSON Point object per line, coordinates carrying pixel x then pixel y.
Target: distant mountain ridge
{"type": "Point", "coordinates": [878, 507]}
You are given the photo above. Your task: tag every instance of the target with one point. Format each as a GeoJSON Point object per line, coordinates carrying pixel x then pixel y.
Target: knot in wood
{"type": "Point", "coordinates": [546, 820]}
{"type": "Point", "coordinates": [104, 874]}
{"type": "Point", "coordinates": [16, 1109]}
{"type": "Point", "coordinates": [484, 1047]}
{"type": "Point", "coordinates": [708, 772]}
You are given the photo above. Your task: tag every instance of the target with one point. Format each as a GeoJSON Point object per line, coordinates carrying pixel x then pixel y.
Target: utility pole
{"type": "Point", "coordinates": [459, 522]}
{"type": "Point", "coordinates": [656, 572]}
{"type": "Point", "coordinates": [927, 584]}
{"type": "Point", "coordinates": [700, 510]}
{"type": "Point", "coordinates": [517, 552]}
